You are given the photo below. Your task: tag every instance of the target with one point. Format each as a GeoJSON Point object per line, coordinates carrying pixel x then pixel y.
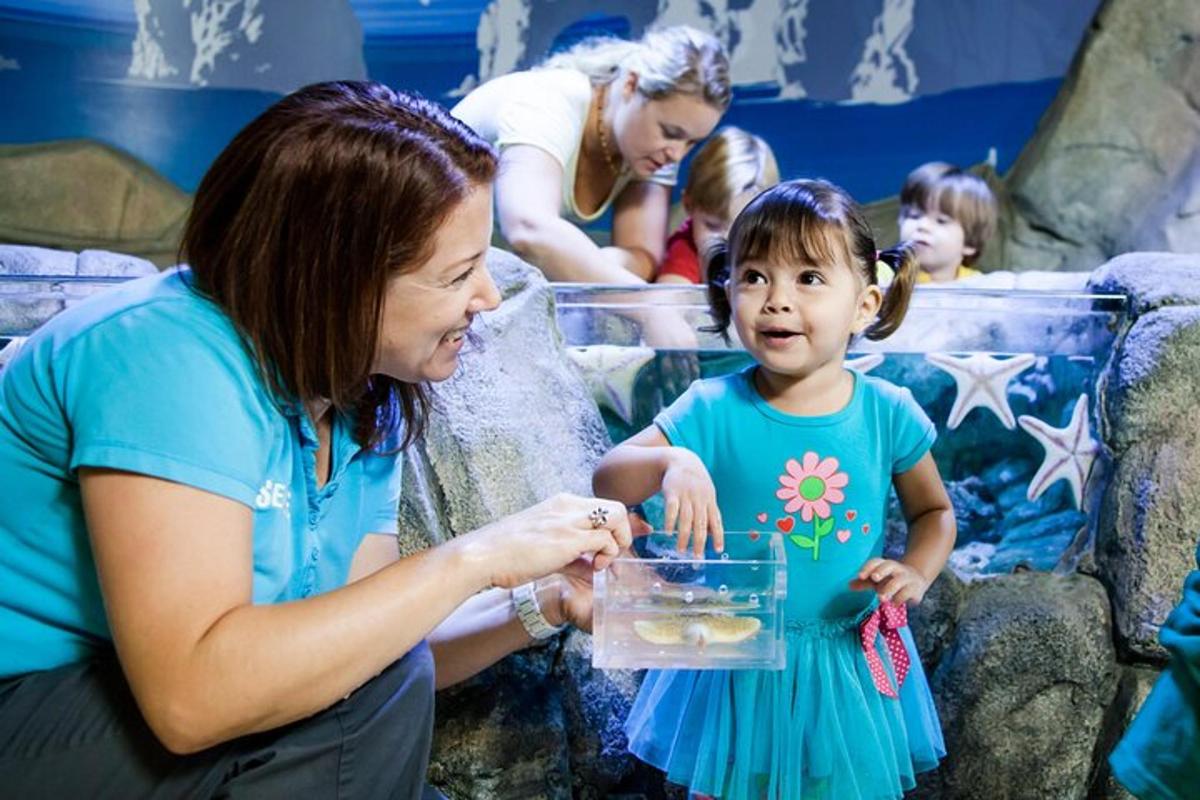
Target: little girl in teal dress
{"type": "Point", "coordinates": [799, 444]}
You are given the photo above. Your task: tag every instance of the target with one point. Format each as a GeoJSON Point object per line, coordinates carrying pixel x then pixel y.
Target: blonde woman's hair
{"type": "Point", "coordinates": [675, 60]}
{"type": "Point", "coordinates": [731, 163]}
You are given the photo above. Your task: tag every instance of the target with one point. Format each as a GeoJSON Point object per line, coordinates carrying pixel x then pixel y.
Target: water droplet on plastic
{"type": "Point", "coordinates": [688, 596]}
{"type": "Point", "coordinates": [753, 599]}
{"type": "Point", "coordinates": [722, 589]}
{"type": "Point", "coordinates": [724, 556]}
{"type": "Point", "coordinates": [656, 588]}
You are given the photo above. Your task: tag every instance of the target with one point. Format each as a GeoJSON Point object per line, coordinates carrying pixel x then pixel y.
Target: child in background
{"type": "Point", "coordinates": [724, 176]}
{"type": "Point", "coordinates": [798, 443]}
{"type": "Point", "coordinates": [949, 215]}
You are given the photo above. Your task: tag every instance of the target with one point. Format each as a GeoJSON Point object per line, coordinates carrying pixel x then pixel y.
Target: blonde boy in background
{"type": "Point", "coordinates": [725, 175]}
{"type": "Point", "coordinates": [950, 215]}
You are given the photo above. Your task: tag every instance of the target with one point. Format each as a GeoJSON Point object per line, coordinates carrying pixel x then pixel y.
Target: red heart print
{"type": "Point", "coordinates": [785, 524]}
{"type": "Point", "coordinates": [866, 528]}
{"type": "Point", "coordinates": [850, 515]}
{"type": "Point", "coordinates": [753, 536]}
{"type": "Point", "coordinates": [843, 536]}
{"type": "Point", "coordinates": [762, 517]}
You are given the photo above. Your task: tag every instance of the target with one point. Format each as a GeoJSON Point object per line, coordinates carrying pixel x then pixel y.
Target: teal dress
{"type": "Point", "coordinates": [833, 723]}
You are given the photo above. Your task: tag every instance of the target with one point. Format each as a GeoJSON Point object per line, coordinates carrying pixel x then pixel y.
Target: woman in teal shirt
{"type": "Point", "coordinates": [199, 585]}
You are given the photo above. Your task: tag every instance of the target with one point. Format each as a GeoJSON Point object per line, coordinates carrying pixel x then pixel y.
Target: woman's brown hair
{"type": "Point", "coordinates": [301, 221]}
{"type": "Point", "coordinates": [810, 222]}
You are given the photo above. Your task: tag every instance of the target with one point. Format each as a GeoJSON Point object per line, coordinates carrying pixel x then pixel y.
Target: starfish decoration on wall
{"type": "Point", "coordinates": [864, 364]}
{"type": "Point", "coordinates": [982, 381]}
{"type": "Point", "coordinates": [610, 372]}
{"type": "Point", "coordinates": [1070, 452]}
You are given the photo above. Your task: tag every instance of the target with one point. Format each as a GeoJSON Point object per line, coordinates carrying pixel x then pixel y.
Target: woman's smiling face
{"type": "Point", "coordinates": [427, 310]}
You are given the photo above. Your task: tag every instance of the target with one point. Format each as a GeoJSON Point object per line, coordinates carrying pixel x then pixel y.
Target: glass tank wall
{"type": "Point", "coordinates": [1008, 377]}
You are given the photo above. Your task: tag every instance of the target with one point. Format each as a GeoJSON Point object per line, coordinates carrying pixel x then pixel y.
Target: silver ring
{"type": "Point", "coordinates": [598, 517]}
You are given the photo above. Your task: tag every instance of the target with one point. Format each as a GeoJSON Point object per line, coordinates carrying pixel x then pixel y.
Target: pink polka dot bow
{"type": "Point", "coordinates": [887, 620]}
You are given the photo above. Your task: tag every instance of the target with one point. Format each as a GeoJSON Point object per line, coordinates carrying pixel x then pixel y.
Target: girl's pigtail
{"type": "Point", "coordinates": [903, 260]}
{"type": "Point", "coordinates": [716, 271]}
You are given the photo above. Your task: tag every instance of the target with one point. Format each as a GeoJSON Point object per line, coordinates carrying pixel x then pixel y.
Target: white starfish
{"type": "Point", "coordinates": [1070, 452]}
{"type": "Point", "coordinates": [610, 371]}
{"type": "Point", "coordinates": [982, 381]}
{"type": "Point", "coordinates": [864, 364]}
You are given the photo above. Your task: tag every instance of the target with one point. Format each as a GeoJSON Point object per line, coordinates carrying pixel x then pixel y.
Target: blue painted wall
{"type": "Point", "coordinates": [987, 70]}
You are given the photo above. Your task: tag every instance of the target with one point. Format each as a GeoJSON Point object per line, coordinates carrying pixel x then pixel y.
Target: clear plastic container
{"type": "Point", "coordinates": [666, 610]}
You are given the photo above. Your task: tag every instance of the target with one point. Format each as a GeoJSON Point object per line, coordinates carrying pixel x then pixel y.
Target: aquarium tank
{"type": "Point", "coordinates": [1008, 376]}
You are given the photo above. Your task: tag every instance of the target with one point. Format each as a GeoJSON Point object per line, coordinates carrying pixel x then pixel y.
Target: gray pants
{"type": "Point", "coordinates": [76, 732]}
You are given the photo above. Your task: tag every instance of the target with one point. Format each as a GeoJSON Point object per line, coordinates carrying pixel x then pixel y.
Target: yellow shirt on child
{"type": "Point", "coordinates": [963, 272]}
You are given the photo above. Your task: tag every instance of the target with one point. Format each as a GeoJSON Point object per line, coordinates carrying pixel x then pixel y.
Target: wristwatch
{"type": "Point", "coordinates": [525, 602]}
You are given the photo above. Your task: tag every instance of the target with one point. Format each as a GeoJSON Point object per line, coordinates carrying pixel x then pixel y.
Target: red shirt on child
{"type": "Point", "coordinates": [681, 257]}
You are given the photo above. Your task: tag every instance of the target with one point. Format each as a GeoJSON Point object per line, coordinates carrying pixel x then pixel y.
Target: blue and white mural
{"type": "Point", "coordinates": [858, 91]}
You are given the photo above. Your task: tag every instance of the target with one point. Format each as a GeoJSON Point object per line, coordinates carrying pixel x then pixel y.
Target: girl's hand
{"type": "Point", "coordinates": [893, 581]}
{"type": "Point", "coordinates": [548, 537]}
{"type": "Point", "coordinates": [691, 501]}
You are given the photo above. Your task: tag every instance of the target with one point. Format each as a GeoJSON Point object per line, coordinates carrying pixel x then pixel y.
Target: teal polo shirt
{"type": "Point", "coordinates": [150, 377]}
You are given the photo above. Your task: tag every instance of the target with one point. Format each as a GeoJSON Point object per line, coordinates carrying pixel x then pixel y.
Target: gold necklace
{"type": "Point", "coordinates": [608, 158]}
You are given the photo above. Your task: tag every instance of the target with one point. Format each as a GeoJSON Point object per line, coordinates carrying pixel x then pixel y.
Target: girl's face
{"type": "Point", "coordinates": [797, 319]}
{"type": "Point", "coordinates": [654, 133]}
{"type": "Point", "coordinates": [426, 311]}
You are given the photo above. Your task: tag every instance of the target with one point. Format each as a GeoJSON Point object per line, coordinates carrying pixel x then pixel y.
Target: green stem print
{"type": "Point", "coordinates": [822, 527]}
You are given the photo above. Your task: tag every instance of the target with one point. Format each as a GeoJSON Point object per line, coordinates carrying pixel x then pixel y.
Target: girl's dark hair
{"type": "Point", "coordinates": [809, 222]}
{"type": "Point", "coordinates": [304, 217]}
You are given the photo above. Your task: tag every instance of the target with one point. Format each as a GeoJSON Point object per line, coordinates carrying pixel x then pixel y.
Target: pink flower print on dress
{"type": "Point", "coordinates": [810, 487]}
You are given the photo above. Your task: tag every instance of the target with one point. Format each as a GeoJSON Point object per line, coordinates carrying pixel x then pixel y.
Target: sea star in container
{"type": "Point", "coordinates": [1070, 452]}
{"type": "Point", "coordinates": [982, 381]}
{"type": "Point", "coordinates": [610, 372]}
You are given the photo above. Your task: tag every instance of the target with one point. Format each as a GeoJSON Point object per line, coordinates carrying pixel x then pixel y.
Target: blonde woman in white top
{"type": "Point", "coordinates": [603, 124]}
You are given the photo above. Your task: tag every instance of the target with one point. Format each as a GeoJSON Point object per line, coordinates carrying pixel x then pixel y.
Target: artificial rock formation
{"type": "Point", "coordinates": [82, 194]}
{"type": "Point", "coordinates": [1115, 164]}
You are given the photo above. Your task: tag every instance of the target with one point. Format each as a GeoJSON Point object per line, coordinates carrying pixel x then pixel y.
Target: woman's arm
{"type": "Point", "coordinates": [479, 632]}
{"type": "Point", "coordinates": [639, 227]}
{"type": "Point", "coordinates": [206, 664]}
{"type": "Point", "coordinates": [528, 196]}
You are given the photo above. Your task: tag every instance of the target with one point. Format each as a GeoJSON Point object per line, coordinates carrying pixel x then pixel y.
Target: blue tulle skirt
{"type": "Point", "coordinates": [818, 729]}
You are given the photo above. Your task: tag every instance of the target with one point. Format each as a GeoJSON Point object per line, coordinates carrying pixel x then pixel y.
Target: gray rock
{"type": "Point", "coordinates": [79, 194]}
{"type": "Point", "coordinates": [935, 620]}
{"type": "Point", "coordinates": [1023, 690]}
{"type": "Point", "coordinates": [101, 263]}
{"type": "Point", "coordinates": [597, 705]}
{"type": "Point", "coordinates": [515, 425]}
{"type": "Point", "coordinates": [1150, 512]}
{"type": "Point", "coordinates": [483, 456]}
{"type": "Point", "coordinates": [1114, 164]}
{"type": "Point", "coordinates": [1135, 684]}
{"type": "Point", "coordinates": [1150, 280]}
{"type": "Point", "coordinates": [22, 260]}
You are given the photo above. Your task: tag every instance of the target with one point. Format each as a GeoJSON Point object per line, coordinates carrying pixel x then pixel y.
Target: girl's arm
{"type": "Point", "coordinates": [529, 189]}
{"type": "Point", "coordinates": [207, 664]}
{"type": "Point", "coordinates": [640, 215]}
{"type": "Point", "coordinates": [647, 463]}
{"type": "Point", "coordinates": [931, 533]}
